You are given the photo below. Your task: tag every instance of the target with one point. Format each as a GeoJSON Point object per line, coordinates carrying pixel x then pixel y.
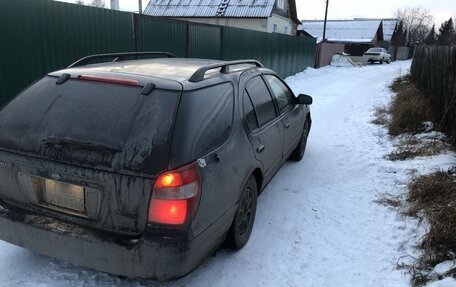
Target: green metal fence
{"type": "Point", "coordinates": [39, 36]}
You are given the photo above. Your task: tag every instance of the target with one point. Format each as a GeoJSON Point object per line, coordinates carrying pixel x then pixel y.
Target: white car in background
{"type": "Point", "coordinates": [377, 55]}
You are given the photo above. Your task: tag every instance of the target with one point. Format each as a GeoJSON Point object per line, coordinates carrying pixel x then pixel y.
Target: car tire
{"type": "Point", "coordinates": [241, 228]}
{"type": "Point", "coordinates": [389, 61]}
{"type": "Point", "coordinates": [381, 62]}
{"type": "Point", "coordinates": [298, 153]}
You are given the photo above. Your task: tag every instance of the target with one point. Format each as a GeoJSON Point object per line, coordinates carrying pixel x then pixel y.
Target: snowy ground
{"type": "Point", "coordinates": [317, 223]}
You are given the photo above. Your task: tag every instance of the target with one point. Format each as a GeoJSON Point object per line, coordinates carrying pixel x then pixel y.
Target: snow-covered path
{"type": "Point", "coordinates": [317, 223]}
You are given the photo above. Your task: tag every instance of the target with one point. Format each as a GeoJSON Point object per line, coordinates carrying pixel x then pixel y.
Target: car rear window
{"type": "Point", "coordinates": [375, 50]}
{"type": "Point", "coordinates": [93, 115]}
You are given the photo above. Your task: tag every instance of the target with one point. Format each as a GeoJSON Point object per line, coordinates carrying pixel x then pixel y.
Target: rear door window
{"type": "Point", "coordinates": [261, 99]}
{"type": "Point", "coordinates": [249, 112]}
{"type": "Point", "coordinates": [203, 123]}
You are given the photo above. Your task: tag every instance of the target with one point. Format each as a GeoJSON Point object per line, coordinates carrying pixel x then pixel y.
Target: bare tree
{"type": "Point", "coordinates": [417, 23]}
{"type": "Point", "coordinates": [98, 3]}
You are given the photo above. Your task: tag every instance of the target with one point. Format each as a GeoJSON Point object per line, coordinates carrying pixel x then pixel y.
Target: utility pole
{"type": "Point", "coordinates": [140, 6]}
{"type": "Point", "coordinates": [115, 4]}
{"type": "Point", "coordinates": [326, 19]}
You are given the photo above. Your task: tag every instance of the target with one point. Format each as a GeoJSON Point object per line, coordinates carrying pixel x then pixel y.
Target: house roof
{"type": "Point", "coordinates": [210, 8]}
{"type": "Point", "coordinates": [347, 31]}
{"type": "Point", "coordinates": [389, 26]}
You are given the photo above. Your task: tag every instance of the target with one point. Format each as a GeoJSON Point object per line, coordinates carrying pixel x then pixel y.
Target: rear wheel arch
{"type": "Point", "coordinates": [258, 174]}
{"type": "Point", "coordinates": [308, 119]}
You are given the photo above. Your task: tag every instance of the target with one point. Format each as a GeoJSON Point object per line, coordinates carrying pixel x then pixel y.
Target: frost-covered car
{"type": "Point", "coordinates": [143, 168]}
{"type": "Point", "coordinates": [377, 55]}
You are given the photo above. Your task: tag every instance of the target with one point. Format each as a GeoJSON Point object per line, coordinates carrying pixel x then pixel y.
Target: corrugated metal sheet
{"type": "Point", "coordinates": [161, 35]}
{"type": "Point", "coordinates": [208, 8]}
{"type": "Point", "coordinates": [349, 31]}
{"type": "Point", "coordinates": [41, 36]}
{"type": "Point", "coordinates": [284, 54]}
{"type": "Point", "coordinates": [204, 41]}
{"type": "Point", "coordinates": [389, 26]}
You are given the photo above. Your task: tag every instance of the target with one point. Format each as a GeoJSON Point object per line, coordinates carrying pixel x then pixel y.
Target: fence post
{"type": "Point", "coordinates": [187, 40]}
{"type": "Point", "coordinates": [135, 31]}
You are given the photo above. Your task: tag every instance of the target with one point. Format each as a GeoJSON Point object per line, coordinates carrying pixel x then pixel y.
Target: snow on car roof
{"type": "Point", "coordinates": [350, 31]}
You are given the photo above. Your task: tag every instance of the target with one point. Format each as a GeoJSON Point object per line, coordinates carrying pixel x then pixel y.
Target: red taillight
{"type": "Point", "coordinates": [168, 211]}
{"type": "Point", "coordinates": [175, 196]}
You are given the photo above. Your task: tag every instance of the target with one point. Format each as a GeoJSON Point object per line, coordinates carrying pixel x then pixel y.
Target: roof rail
{"type": "Point", "coordinates": [224, 68]}
{"type": "Point", "coordinates": [118, 57]}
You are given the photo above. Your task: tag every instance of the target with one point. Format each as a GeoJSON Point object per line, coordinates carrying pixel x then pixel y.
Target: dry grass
{"type": "Point", "coordinates": [389, 200]}
{"type": "Point", "coordinates": [411, 146]}
{"type": "Point", "coordinates": [380, 116]}
{"type": "Point", "coordinates": [407, 118]}
{"type": "Point", "coordinates": [433, 197]}
{"type": "Point", "coordinates": [409, 108]}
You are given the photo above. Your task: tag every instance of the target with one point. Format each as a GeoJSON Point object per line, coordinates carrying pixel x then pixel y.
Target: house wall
{"type": "Point", "coordinates": [257, 24]}
{"type": "Point", "coordinates": [284, 25]}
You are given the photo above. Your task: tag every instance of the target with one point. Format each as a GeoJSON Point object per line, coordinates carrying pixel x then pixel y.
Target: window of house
{"type": "Point", "coordinates": [274, 28]}
{"type": "Point", "coordinates": [286, 30]}
{"type": "Point", "coordinates": [280, 4]}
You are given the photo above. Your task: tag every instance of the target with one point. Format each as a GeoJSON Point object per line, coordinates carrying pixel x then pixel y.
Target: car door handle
{"type": "Point", "coordinates": [260, 148]}
{"type": "Point", "coordinates": [287, 125]}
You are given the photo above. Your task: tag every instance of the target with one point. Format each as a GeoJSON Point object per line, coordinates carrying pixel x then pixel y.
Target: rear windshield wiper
{"type": "Point", "coordinates": [75, 143]}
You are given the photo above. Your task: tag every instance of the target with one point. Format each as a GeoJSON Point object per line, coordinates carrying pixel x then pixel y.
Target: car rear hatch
{"type": "Point", "coordinates": [87, 151]}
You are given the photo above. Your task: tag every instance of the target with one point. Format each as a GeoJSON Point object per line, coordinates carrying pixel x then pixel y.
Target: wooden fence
{"type": "Point", "coordinates": [434, 69]}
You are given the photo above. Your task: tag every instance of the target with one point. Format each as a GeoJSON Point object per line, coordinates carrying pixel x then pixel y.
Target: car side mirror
{"type": "Point", "coordinates": [304, 99]}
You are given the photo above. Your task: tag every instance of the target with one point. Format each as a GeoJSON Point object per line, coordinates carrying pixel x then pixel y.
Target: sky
{"type": "Point", "coordinates": [442, 10]}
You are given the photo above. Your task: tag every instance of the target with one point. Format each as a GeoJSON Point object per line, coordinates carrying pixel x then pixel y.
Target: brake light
{"type": "Point", "coordinates": [175, 196]}
{"type": "Point", "coordinates": [109, 80]}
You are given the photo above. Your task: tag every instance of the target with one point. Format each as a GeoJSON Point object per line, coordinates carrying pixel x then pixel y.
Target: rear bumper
{"type": "Point", "coordinates": [372, 58]}
{"type": "Point", "coordinates": [162, 259]}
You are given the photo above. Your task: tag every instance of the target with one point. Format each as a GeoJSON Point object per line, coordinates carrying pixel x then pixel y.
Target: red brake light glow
{"type": "Point", "coordinates": [168, 211]}
{"type": "Point", "coordinates": [175, 196]}
{"type": "Point", "coordinates": [120, 81]}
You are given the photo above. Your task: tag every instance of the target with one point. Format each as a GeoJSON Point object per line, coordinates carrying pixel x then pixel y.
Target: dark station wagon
{"type": "Point", "coordinates": [143, 167]}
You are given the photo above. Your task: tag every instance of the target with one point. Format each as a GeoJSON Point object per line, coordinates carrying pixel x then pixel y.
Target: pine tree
{"type": "Point", "coordinates": [400, 36]}
{"type": "Point", "coordinates": [447, 33]}
{"type": "Point", "coordinates": [431, 38]}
